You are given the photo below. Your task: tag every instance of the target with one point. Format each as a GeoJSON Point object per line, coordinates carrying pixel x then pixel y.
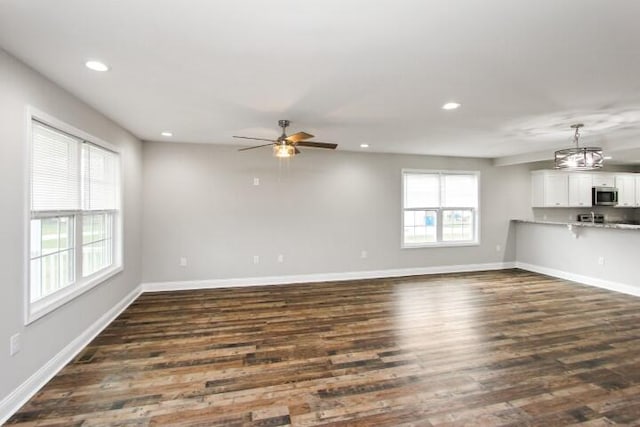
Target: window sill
{"type": "Point", "coordinates": [441, 245]}
{"type": "Point", "coordinates": [36, 310]}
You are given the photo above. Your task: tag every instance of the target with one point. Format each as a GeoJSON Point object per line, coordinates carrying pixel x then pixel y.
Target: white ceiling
{"type": "Point", "coordinates": [349, 71]}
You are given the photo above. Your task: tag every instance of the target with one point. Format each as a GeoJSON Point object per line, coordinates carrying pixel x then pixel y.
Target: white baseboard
{"type": "Point", "coordinates": [314, 278]}
{"type": "Point", "coordinates": [11, 403]}
{"type": "Point", "coordinates": [585, 280]}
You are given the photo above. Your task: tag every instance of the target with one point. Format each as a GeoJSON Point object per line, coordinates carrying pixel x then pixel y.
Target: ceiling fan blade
{"type": "Point", "coordinates": [296, 150]}
{"type": "Point", "coordinates": [317, 144]}
{"type": "Point", "coordinates": [256, 139]}
{"type": "Point", "coordinates": [255, 146]}
{"type": "Point", "coordinates": [300, 136]}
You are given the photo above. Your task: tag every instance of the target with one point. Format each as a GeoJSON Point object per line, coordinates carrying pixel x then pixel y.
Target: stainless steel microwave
{"type": "Point", "coordinates": [604, 196]}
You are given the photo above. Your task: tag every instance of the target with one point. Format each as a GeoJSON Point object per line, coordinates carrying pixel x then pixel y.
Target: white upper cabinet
{"type": "Point", "coordinates": [552, 188]}
{"type": "Point", "coordinates": [580, 189]}
{"type": "Point", "coordinates": [556, 190]}
{"type": "Point", "coordinates": [549, 189]}
{"type": "Point", "coordinates": [537, 189]}
{"type": "Point", "coordinates": [626, 185]}
{"type": "Point", "coordinates": [603, 179]}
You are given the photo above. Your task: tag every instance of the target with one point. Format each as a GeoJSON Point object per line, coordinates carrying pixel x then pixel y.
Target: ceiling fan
{"type": "Point", "coordinates": [287, 146]}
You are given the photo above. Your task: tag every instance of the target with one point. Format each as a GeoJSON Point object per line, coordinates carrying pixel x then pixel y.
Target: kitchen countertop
{"type": "Point", "coordinates": [615, 225]}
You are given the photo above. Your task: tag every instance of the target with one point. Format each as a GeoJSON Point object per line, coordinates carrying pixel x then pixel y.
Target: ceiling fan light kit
{"type": "Point", "coordinates": [284, 150]}
{"type": "Point", "coordinates": [579, 158]}
{"type": "Point", "coordinates": [287, 146]}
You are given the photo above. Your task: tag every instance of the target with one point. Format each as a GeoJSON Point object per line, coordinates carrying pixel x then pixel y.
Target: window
{"type": "Point", "coordinates": [439, 208]}
{"type": "Point", "coordinates": [75, 219]}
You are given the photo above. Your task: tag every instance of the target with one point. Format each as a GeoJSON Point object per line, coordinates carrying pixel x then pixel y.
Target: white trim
{"type": "Point", "coordinates": [441, 171]}
{"type": "Point", "coordinates": [36, 310]}
{"type": "Point", "coordinates": [585, 280]}
{"type": "Point", "coordinates": [25, 391]}
{"type": "Point", "coordinates": [26, 228]}
{"type": "Point", "coordinates": [314, 278]}
{"type": "Point", "coordinates": [47, 119]}
{"type": "Point", "coordinates": [440, 243]}
{"type": "Point", "coordinates": [46, 305]}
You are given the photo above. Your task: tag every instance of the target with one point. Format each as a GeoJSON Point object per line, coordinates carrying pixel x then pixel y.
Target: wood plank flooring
{"type": "Point", "coordinates": [505, 348]}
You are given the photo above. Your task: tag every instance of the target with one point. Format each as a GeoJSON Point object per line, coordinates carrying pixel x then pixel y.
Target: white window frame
{"type": "Point", "coordinates": [37, 309]}
{"type": "Point", "coordinates": [439, 243]}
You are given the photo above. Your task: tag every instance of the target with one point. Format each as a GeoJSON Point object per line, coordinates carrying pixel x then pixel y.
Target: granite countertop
{"type": "Point", "coordinates": [615, 225]}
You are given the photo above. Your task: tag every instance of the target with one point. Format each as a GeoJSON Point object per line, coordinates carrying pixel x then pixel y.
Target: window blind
{"type": "Point", "coordinates": [460, 191]}
{"type": "Point", "coordinates": [421, 190]}
{"type": "Point", "coordinates": [429, 190]}
{"type": "Point", "coordinates": [61, 180]}
{"type": "Point", "coordinates": [55, 174]}
{"type": "Point", "coordinates": [99, 171]}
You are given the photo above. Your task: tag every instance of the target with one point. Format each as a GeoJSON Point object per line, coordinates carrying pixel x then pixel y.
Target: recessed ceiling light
{"type": "Point", "coordinates": [364, 145]}
{"type": "Point", "coordinates": [451, 106]}
{"type": "Point", "coordinates": [167, 134]}
{"type": "Point", "coordinates": [96, 66]}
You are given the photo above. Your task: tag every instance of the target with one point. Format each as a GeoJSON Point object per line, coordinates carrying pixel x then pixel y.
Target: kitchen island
{"type": "Point", "coordinates": [604, 255]}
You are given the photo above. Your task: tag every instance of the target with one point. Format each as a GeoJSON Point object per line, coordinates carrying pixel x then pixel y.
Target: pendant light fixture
{"type": "Point", "coordinates": [579, 158]}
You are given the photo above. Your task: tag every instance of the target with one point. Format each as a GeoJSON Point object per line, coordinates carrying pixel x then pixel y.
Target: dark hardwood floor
{"type": "Point", "coordinates": [490, 348]}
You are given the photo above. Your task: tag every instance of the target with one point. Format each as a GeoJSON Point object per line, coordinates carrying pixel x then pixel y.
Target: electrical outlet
{"type": "Point", "coordinates": [14, 344]}
{"type": "Point", "coordinates": [498, 248]}
{"type": "Point", "coordinates": [544, 217]}
{"type": "Point", "coordinates": [256, 181]}
{"type": "Point", "coordinates": [280, 258]}
{"type": "Point", "coordinates": [363, 254]}
{"type": "Point", "coordinates": [256, 259]}
{"type": "Point", "coordinates": [183, 261]}
{"type": "Point", "coordinates": [600, 260]}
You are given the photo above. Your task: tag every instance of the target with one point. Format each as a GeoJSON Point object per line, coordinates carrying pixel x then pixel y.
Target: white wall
{"type": "Point", "coordinates": [553, 250]}
{"type": "Point", "coordinates": [319, 210]}
{"type": "Point", "coordinates": [21, 86]}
